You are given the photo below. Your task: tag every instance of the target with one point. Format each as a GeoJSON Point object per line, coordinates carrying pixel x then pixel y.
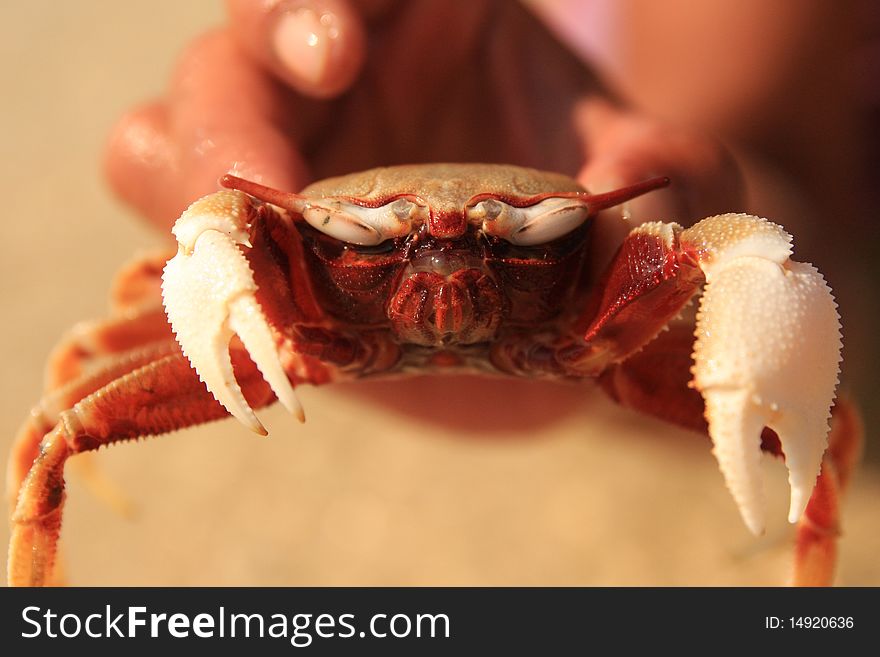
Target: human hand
{"type": "Point", "coordinates": [287, 92]}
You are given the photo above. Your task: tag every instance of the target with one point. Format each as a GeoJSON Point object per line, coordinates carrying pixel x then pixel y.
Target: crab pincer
{"type": "Point", "coordinates": [767, 349]}
{"type": "Point", "coordinates": [767, 354]}
{"type": "Point", "coordinates": [209, 294]}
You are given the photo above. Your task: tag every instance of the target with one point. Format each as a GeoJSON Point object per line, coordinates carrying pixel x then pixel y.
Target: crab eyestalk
{"type": "Point", "coordinates": [287, 200]}
{"type": "Point", "coordinates": [599, 202]}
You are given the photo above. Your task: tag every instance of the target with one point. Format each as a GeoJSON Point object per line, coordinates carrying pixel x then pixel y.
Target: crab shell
{"type": "Point", "coordinates": [444, 279]}
{"type": "Point", "coordinates": [445, 188]}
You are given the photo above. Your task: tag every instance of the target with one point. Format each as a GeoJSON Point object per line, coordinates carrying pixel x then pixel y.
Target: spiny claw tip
{"type": "Point", "coordinates": [755, 525]}
{"type": "Point", "coordinates": [287, 396]}
{"type": "Point", "coordinates": [799, 502]}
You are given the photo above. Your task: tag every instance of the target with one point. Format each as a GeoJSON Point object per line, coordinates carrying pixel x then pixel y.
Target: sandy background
{"type": "Point", "coordinates": [551, 485]}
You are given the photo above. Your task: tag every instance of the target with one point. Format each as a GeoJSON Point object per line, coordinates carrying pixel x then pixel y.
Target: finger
{"type": "Point", "coordinates": [624, 147]}
{"type": "Point", "coordinates": [142, 164]}
{"type": "Point", "coordinates": [315, 46]}
{"type": "Point", "coordinates": [227, 116]}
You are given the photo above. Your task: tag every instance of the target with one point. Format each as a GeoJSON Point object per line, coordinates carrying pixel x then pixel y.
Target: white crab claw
{"type": "Point", "coordinates": [208, 289]}
{"type": "Point", "coordinates": [767, 354]}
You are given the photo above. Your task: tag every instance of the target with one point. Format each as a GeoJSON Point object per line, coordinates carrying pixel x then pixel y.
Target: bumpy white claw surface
{"type": "Point", "coordinates": [208, 290]}
{"type": "Point", "coordinates": [767, 354]}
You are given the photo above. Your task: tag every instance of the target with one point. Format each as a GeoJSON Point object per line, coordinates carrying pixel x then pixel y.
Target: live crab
{"type": "Point", "coordinates": [455, 268]}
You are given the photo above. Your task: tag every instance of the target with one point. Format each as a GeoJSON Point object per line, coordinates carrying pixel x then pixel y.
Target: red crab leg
{"type": "Point", "coordinates": [655, 381]}
{"type": "Point", "coordinates": [89, 357]}
{"type": "Point", "coordinates": [139, 320]}
{"type": "Point", "coordinates": [819, 529]}
{"type": "Point", "coordinates": [45, 415]}
{"type": "Point", "coordinates": [89, 341]}
{"type": "Point", "coordinates": [156, 398]}
{"type": "Point", "coordinates": [650, 280]}
{"type": "Point", "coordinates": [138, 285]}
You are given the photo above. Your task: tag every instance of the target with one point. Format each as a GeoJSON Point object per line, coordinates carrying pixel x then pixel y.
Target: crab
{"type": "Point", "coordinates": [451, 268]}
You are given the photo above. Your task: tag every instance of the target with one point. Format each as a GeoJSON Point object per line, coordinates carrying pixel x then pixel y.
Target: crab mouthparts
{"type": "Point", "coordinates": [445, 298]}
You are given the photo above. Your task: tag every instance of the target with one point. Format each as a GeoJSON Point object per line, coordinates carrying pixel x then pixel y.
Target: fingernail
{"type": "Point", "coordinates": [302, 40]}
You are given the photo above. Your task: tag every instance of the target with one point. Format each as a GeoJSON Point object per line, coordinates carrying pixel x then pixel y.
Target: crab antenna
{"type": "Point", "coordinates": [286, 200]}
{"type": "Point", "coordinates": [596, 202]}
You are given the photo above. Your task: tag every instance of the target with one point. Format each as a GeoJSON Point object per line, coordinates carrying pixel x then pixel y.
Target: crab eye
{"type": "Point", "coordinates": [403, 209]}
{"type": "Point", "coordinates": [489, 210]}
{"type": "Point", "coordinates": [537, 224]}
{"type": "Point", "coordinates": [359, 225]}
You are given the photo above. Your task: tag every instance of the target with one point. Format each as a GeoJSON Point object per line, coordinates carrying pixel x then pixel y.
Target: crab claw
{"type": "Point", "coordinates": [767, 354]}
{"type": "Point", "coordinates": [209, 293]}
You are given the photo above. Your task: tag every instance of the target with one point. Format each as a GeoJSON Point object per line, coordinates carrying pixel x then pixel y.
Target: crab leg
{"type": "Point", "coordinates": [138, 320]}
{"type": "Point", "coordinates": [155, 398]}
{"type": "Point", "coordinates": [768, 341]}
{"type": "Point", "coordinates": [654, 380]}
{"type": "Point", "coordinates": [89, 343]}
{"type": "Point", "coordinates": [91, 355]}
{"type": "Point", "coordinates": [45, 415]}
{"type": "Point", "coordinates": [816, 546]}
{"type": "Point", "coordinates": [138, 285]}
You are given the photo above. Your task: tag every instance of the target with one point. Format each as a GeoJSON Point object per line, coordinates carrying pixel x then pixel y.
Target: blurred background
{"type": "Point", "coordinates": [551, 484]}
